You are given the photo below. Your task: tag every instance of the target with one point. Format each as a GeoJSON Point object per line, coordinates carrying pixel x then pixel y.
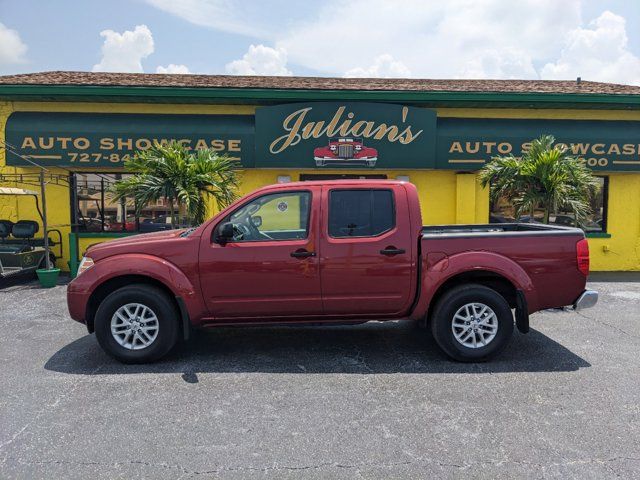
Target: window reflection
{"type": "Point", "coordinates": [97, 211]}
{"type": "Point", "coordinates": [502, 211]}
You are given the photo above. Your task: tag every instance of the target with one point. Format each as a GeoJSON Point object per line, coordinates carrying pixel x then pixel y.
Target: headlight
{"type": "Point", "coordinates": [85, 264]}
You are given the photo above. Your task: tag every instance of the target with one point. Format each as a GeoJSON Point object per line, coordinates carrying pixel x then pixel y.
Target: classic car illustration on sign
{"type": "Point", "coordinates": [345, 151]}
{"type": "Point", "coordinates": [356, 135]}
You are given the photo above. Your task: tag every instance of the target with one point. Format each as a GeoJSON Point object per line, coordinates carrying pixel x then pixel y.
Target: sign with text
{"type": "Point", "coordinates": [345, 135]}
{"type": "Point", "coordinates": [106, 140]}
{"type": "Point", "coordinates": [467, 144]}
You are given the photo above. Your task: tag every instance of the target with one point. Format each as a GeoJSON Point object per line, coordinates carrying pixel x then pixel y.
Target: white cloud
{"type": "Point", "coordinates": [173, 68]}
{"type": "Point", "coordinates": [12, 48]}
{"type": "Point", "coordinates": [499, 63]}
{"type": "Point", "coordinates": [260, 60]}
{"type": "Point", "coordinates": [383, 66]}
{"type": "Point", "coordinates": [456, 38]}
{"type": "Point", "coordinates": [599, 52]}
{"type": "Point", "coordinates": [223, 15]}
{"type": "Point", "coordinates": [423, 38]}
{"type": "Point", "coordinates": [123, 52]}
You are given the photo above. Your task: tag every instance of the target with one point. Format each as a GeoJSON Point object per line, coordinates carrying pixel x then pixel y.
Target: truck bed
{"type": "Point", "coordinates": [496, 230]}
{"type": "Point", "coordinates": [546, 253]}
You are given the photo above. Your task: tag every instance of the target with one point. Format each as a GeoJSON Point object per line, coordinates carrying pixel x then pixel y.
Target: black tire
{"type": "Point", "coordinates": [451, 302]}
{"type": "Point", "coordinates": [158, 302]}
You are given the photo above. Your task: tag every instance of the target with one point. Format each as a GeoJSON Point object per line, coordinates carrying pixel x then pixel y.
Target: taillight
{"type": "Point", "coordinates": [582, 256]}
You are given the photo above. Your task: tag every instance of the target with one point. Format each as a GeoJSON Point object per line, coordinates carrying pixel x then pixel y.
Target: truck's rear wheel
{"type": "Point", "coordinates": [472, 323]}
{"type": "Point", "coordinates": [137, 324]}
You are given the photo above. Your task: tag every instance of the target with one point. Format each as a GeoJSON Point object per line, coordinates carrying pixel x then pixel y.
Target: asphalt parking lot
{"type": "Point", "coordinates": [370, 401]}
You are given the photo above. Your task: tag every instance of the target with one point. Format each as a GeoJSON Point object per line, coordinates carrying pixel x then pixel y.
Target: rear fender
{"type": "Point", "coordinates": [439, 268]}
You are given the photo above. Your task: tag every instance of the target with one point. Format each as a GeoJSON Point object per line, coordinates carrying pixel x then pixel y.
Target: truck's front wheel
{"type": "Point", "coordinates": [136, 324]}
{"type": "Point", "coordinates": [472, 323]}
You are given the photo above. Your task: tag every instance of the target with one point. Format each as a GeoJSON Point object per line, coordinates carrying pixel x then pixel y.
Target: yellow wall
{"type": "Point", "coordinates": [446, 196]}
{"type": "Point", "coordinates": [275, 219]}
{"type": "Point", "coordinates": [622, 250]}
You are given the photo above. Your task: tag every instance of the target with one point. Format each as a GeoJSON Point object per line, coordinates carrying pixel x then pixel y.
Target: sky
{"type": "Point", "coordinates": [596, 40]}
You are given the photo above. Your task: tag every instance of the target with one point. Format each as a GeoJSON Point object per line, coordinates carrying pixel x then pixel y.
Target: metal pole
{"type": "Point", "coordinates": [102, 204]}
{"type": "Point", "coordinates": [73, 200]}
{"type": "Point", "coordinates": [44, 220]}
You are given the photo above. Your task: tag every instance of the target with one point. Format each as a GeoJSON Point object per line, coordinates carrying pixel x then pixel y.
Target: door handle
{"type": "Point", "coordinates": [302, 254]}
{"type": "Point", "coordinates": [389, 251]}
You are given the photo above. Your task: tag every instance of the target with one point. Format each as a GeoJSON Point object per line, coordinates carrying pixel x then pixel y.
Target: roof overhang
{"type": "Point", "coordinates": [258, 96]}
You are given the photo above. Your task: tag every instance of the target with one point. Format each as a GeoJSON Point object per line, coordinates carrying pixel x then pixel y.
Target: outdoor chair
{"type": "Point", "coordinates": [5, 230]}
{"type": "Point", "coordinates": [25, 230]}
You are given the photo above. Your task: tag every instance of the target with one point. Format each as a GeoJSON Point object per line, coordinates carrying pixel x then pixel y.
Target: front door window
{"type": "Point", "coordinates": [277, 216]}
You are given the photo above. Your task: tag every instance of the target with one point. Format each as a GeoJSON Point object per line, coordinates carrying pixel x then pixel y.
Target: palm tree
{"type": "Point", "coordinates": [180, 176]}
{"type": "Point", "coordinates": [546, 177]}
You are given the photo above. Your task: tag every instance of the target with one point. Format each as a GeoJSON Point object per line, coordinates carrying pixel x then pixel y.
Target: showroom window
{"type": "Point", "coordinates": [502, 211]}
{"type": "Point", "coordinates": [95, 210]}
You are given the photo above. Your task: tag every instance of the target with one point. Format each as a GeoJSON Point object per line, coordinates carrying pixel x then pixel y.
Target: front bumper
{"type": "Point", "coordinates": [587, 299]}
{"type": "Point", "coordinates": [341, 159]}
{"type": "Point", "coordinates": [77, 300]}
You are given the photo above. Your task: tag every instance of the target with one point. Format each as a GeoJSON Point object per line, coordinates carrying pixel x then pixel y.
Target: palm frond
{"type": "Point", "coordinates": [176, 174]}
{"type": "Point", "coordinates": [545, 176]}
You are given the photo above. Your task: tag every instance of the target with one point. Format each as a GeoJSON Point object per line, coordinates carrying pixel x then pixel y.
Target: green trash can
{"type": "Point", "coordinates": [48, 278]}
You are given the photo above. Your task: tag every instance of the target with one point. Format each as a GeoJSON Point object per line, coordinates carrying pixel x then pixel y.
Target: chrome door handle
{"type": "Point", "coordinates": [389, 251]}
{"type": "Point", "coordinates": [302, 254]}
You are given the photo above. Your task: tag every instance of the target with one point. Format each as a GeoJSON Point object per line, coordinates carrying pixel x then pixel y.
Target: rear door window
{"type": "Point", "coordinates": [360, 213]}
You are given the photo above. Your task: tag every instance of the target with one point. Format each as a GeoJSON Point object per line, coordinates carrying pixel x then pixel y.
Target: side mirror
{"type": "Point", "coordinates": [225, 233]}
{"type": "Point", "coordinates": [256, 221]}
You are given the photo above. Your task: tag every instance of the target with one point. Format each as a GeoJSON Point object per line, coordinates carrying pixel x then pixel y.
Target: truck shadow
{"type": "Point", "coordinates": [390, 347]}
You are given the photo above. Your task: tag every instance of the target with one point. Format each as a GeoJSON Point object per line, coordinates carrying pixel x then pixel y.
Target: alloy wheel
{"type": "Point", "coordinates": [474, 325]}
{"type": "Point", "coordinates": [134, 326]}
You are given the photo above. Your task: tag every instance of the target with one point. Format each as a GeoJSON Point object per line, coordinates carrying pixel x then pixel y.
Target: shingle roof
{"type": "Point", "coordinates": [316, 83]}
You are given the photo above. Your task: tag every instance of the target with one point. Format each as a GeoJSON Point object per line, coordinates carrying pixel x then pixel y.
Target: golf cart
{"type": "Point", "coordinates": [20, 251]}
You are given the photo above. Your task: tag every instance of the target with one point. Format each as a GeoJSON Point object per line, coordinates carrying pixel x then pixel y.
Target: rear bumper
{"type": "Point", "coordinates": [587, 299]}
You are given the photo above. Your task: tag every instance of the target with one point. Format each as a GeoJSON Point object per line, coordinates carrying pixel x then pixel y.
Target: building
{"type": "Point", "coordinates": [435, 133]}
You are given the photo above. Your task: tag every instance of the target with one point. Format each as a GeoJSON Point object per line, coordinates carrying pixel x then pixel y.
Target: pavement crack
{"type": "Point", "coordinates": [360, 360]}
{"type": "Point", "coordinates": [43, 410]}
{"type": "Point", "coordinates": [109, 464]}
{"type": "Point", "coordinates": [613, 327]}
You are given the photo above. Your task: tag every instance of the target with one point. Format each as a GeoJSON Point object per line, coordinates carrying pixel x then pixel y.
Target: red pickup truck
{"type": "Point", "coordinates": [337, 252]}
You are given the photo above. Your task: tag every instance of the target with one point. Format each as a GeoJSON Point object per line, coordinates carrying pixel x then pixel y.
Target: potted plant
{"type": "Point", "coordinates": [48, 276]}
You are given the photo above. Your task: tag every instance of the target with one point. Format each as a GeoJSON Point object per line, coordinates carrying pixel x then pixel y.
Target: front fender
{"type": "Point", "coordinates": [156, 268]}
{"type": "Point", "coordinates": [438, 268]}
